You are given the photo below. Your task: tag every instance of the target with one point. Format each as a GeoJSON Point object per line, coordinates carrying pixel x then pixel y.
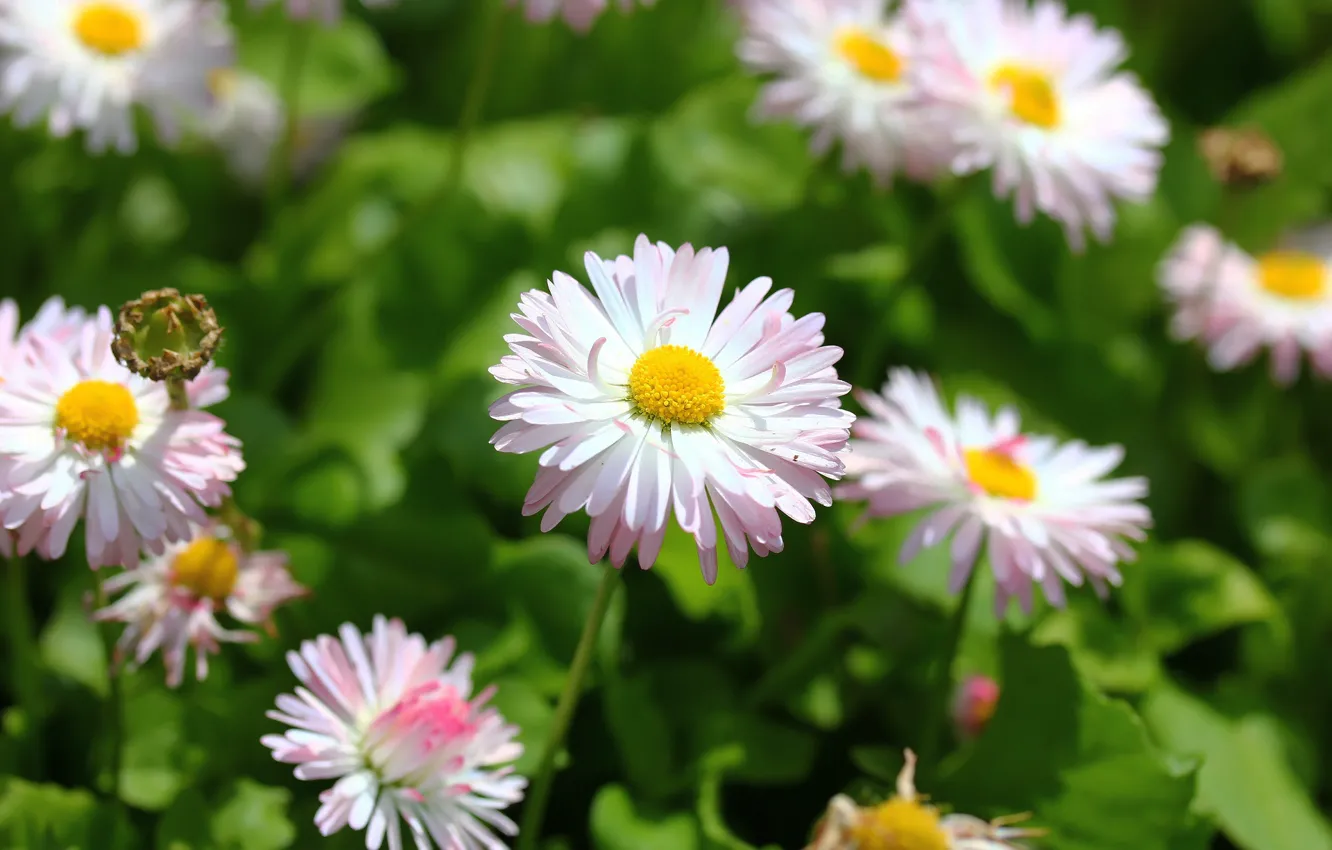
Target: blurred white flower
{"type": "Point", "coordinates": [1237, 304]}
{"type": "Point", "coordinates": [579, 14]}
{"type": "Point", "coordinates": [1042, 510]}
{"type": "Point", "coordinates": [1037, 95]}
{"type": "Point", "coordinates": [328, 11]}
{"type": "Point", "coordinates": [85, 64]}
{"type": "Point", "coordinates": [841, 67]}
{"type": "Point", "coordinates": [246, 122]}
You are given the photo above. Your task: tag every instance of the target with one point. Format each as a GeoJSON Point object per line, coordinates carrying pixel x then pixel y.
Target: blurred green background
{"type": "Point", "coordinates": [1189, 711]}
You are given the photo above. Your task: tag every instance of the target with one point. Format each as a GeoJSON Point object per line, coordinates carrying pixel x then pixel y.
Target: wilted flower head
{"type": "Point", "coordinates": [906, 822]}
{"type": "Point", "coordinates": [841, 67]}
{"type": "Point", "coordinates": [84, 64]}
{"type": "Point", "coordinates": [80, 436]}
{"type": "Point", "coordinates": [645, 402]}
{"type": "Point", "coordinates": [1042, 509]}
{"type": "Point", "coordinates": [580, 14]}
{"type": "Point", "coordinates": [173, 600]}
{"type": "Point", "coordinates": [974, 704]}
{"type": "Point", "coordinates": [328, 11]}
{"type": "Point", "coordinates": [396, 725]}
{"type": "Point", "coordinates": [163, 335]}
{"type": "Point", "coordinates": [1037, 95]}
{"type": "Point", "coordinates": [1237, 304]}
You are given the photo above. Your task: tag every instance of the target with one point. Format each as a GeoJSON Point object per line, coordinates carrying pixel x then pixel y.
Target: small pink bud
{"type": "Point", "coordinates": [974, 704]}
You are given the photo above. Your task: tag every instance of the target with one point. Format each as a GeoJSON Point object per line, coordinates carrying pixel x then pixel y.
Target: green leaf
{"type": "Point", "coordinates": [1112, 653]}
{"type": "Point", "coordinates": [1082, 763]}
{"type": "Point", "coordinates": [255, 818]}
{"type": "Point", "coordinates": [618, 825]}
{"type": "Point", "coordinates": [1283, 506]}
{"type": "Point", "coordinates": [150, 771]}
{"type": "Point", "coordinates": [48, 817]}
{"type": "Point", "coordinates": [550, 577]}
{"type": "Point", "coordinates": [70, 644]}
{"type": "Point", "coordinates": [642, 735]}
{"type": "Point", "coordinates": [774, 753]}
{"type": "Point", "coordinates": [732, 597]}
{"type": "Point", "coordinates": [1245, 782]}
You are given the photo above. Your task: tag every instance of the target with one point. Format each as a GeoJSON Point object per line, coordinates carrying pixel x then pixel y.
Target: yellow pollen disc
{"type": "Point", "coordinates": [221, 82]}
{"type": "Point", "coordinates": [1033, 97]}
{"type": "Point", "coordinates": [99, 414]}
{"type": "Point", "coordinates": [1292, 274]}
{"type": "Point", "coordinates": [870, 57]}
{"type": "Point", "coordinates": [1000, 475]}
{"type": "Point", "coordinates": [677, 384]}
{"type": "Point", "coordinates": [207, 568]}
{"type": "Point", "coordinates": [899, 825]}
{"type": "Point", "coordinates": [109, 28]}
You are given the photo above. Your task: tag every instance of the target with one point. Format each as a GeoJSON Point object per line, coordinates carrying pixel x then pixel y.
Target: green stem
{"type": "Point", "coordinates": [280, 169]}
{"type": "Point", "coordinates": [534, 810]}
{"type": "Point", "coordinates": [938, 725]}
{"type": "Point", "coordinates": [113, 718]}
{"type": "Point", "coordinates": [23, 645]}
{"type": "Point", "coordinates": [179, 393]}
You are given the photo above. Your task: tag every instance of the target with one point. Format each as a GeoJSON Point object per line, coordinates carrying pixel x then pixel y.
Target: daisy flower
{"type": "Point", "coordinates": [906, 822]}
{"type": "Point", "coordinates": [394, 721]}
{"type": "Point", "coordinates": [579, 14]}
{"type": "Point", "coordinates": [1042, 510]}
{"type": "Point", "coordinates": [84, 64]}
{"type": "Point", "coordinates": [328, 11]}
{"type": "Point", "coordinates": [1037, 95]}
{"type": "Point", "coordinates": [644, 400]}
{"type": "Point", "coordinates": [974, 704]}
{"type": "Point", "coordinates": [841, 67]}
{"type": "Point", "coordinates": [1237, 304]}
{"type": "Point", "coordinates": [173, 600]}
{"type": "Point", "coordinates": [82, 437]}
{"type": "Point", "coordinates": [246, 122]}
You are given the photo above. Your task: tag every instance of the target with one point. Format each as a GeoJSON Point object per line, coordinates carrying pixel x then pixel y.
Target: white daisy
{"type": "Point", "coordinates": [1037, 95]}
{"type": "Point", "coordinates": [1042, 509]}
{"type": "Point", "coordinates": [81, 436]}
{"type": "Point", "coordinates": [645, 400]}
{"type": "Point", "coordinates": [841, 67]}
{"type": "Point", "coordinates": [246, 122]}
{"type": "Point", "coordinates": [84, 64]}
{"type": "Point", "coordinates": [395, 722]}
{"type": "Point", "coordinates": [1237, 304]}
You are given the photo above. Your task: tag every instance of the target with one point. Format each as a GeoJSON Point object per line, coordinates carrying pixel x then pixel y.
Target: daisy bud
{"type": "Point", "coordinates": [974, 704]}
{"type": "Point", "coordinates": [164, 336]}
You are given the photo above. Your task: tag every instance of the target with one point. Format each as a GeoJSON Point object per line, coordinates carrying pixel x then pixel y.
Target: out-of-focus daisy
{"type": "Point", "coordinates": [1237, 304]}
{"type": "Point", "coordinates": [84, 64]}
{"type": "Point", "coordinates": [841, 67]}
{"type": "Point", "coordinates": [174, 599]}
{"type": "Point", "coordinates": [246, 122]}
{"type": "Point", "coordinates": [906, 822]}
{"type": "Point", "coordinates": [394, 721]}
{"type": "Point", "coordinates": [645, 400]}
{"type": "Point", "coordinates": [974, 704]}
{"type": "Point", "coordinates": [580, 14]}
{"type": "Point", "coordinates": [82, 437]}
{"type": "Point", "coordinates": [1042, 509]}
{"type": "Point", "coordinates": [328, 11]}
{"type": "Point", "coordinates": [1037, 95]}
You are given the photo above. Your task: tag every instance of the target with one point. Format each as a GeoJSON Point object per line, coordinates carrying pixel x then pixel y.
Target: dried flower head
{"type": "Point", "coordinates": [164, 335]}
{"type": "Point", "coordinates": [1242, 157]}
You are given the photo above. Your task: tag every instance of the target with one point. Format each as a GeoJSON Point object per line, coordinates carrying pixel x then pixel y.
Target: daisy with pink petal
{"type": "Point", "coordinates": [173, 601]}
{"type": "Point", "coordinates": [579, 14]}
{"type": "Point", "coordinates": [1042, 511]}
{"type": "Point", "coordinates": [644, 401]}
{"type": "Point", "coordinates": [83, 438]}
{"type": "Point", "coordinates": [841, 68]}
{"type": "Point", "coordinates": [1237, 304]}
{"type": "Point", "coordinates": [1037, 95]}
{"type": "Point", "coordinates": [394, 722]}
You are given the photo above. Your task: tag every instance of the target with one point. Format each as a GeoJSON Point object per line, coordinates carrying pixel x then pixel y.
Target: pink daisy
{"type": "Point", "coordinates": [396, 725]}
{"type": "Point", "coordinates": [82, 437]}
{"type": "Point", "coordinates": [1237, 304]}
{"type": "Point", "coordinates": [645, 401]}
{"type": "Point", "coordinates": [174, 599]}
{"type": "Point", "coordinates": [1042, 510]}
{"type": "Point", "coordinates": [1037, 95]}
{"type": "Point", "coordinates": [579, 14]}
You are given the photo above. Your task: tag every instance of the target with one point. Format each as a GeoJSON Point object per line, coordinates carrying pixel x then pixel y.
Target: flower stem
{"type": "Point", "coordinates": [23, 645]}
{"type": "Point", "coordinates": [113, 718]}
{"type": "Point", "coordinates": [534, 810]}
{"type": "Point", "coordinates": [178, 392]}
{"type": "Point", "coordinates": [938, 722]}
{"type": "Point", "coordinates": [280, 169]}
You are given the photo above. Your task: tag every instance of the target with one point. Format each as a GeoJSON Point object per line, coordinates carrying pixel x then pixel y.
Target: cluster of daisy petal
{"type": "Point", "coordinates": [937, 87]}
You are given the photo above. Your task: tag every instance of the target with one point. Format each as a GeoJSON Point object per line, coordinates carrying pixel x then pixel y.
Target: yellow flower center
{"type": "Point", "coordinates": [999, 475]}
{"type": "Point", "coordinates": [899, 825]}
{"type": "Point", "coordinates": [1032, 98]}
{"type": "Point", "coordinates": [869, 56]}
{"type": "Point", "coordinates": [207, 568]}
{"type": "Point", "coordinates": [99, 414]}
{"type": "Point", "coordinates": [677, 384]}
{"type": "Point", "coordinates": [1292, 274]}
{"type": "Point", "coordinates": [221, 82]}
{"type": "Point", "coordinates": [109, 28]}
